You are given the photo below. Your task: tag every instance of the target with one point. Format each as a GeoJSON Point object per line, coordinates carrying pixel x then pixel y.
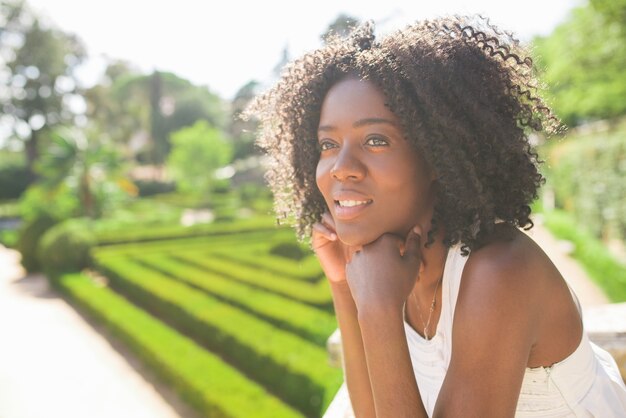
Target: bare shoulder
{"type": "Point", "coordinates": [511, 283]}
{"type": "Point", "coordinates": [508, 260]}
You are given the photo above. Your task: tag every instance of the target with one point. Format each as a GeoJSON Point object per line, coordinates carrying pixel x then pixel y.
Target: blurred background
{"type": "Point", "coordinates": [142, 272]}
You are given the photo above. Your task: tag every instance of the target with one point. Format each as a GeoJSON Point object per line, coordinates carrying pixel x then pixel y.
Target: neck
{"type": "Point", "coordinates": [433, 261]}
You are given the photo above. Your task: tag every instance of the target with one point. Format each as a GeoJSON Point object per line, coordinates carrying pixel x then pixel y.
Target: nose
{"type": "Point", "coordinates": [348, 165]}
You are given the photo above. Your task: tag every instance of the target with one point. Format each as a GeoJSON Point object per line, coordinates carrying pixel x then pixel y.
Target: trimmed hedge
{"type": "Point", "coordinates": [65, 247]}
{"type": "Point", "coordinates": [168, 232]}
{"type": "Point", "coordinates": [200, 377]}
{"type": "Point", "coordinates": [308, 268]}
{"type": "Point", "coordinates": [303, 320]}
{"type": "Point", "coordinates": [313, 294]}
{"type": "Point", "coordinates": [287, 364]}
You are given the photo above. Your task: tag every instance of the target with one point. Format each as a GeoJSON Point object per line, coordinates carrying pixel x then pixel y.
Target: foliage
{"type": "Point", "coordinates": [243, 131]}
{"type": "Point", "coordinates": [306, 321]}
{"type": "Point", "coordinates": [59, 203]}
{"type": "Point", "coordinates": [14, 179]}
{"type": "Point", "coordinates": [38, 84]}
{"type": "Point", "coordinates": [85, 163]}
{"type": "Point", "coordinates": [136, 108]}
{"type": "Point", "coordinates": [152, 187]}
{"type": "Point", "coordinates": [203, 379]}
{"type": "Point", "coordinates": [254, 345]}
{"type": "Point", "coordinates": [602, 267]}
{"type": "Point", "coordinates": [29, 237]}
{"type": "Point", "coordinates": [289, 250]}
{"type": "Point", "coordinates": [341, 27]}
{"type": "Point", "coordinates": [197, 152]}
{"type": "Point", "coordinates": [584, 60]}
{"type": "Point", "coordinates": [587, 172]}
{"type": "Point", "coordinates": [65, 247]}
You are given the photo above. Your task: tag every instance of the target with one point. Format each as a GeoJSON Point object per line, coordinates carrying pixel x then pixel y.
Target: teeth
{"type": "Point", "coordinates": [351, 203]}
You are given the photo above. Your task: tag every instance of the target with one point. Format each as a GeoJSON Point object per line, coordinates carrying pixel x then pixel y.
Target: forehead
{"type": "Point", "coordinates": [354, 99]}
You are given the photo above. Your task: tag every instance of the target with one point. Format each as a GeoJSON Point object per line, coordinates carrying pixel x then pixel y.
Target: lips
{"type": "Point", "coordinates": [349, 205]}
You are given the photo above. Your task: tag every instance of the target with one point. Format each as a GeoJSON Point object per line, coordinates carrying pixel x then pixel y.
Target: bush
{"type": "Point", "coordinates": [212, 386]}
{"type": "Point", "coordinates": [14, 179]}
{"type": "Point", "coordinates": [152, 187]}
{"type": "Point", "coordinates": [289, 250]}
{"type": "Point", "coordinates": [29, 237]}
{"type": "Point", "coordinates": [65, 247]}
{"type": "Point", "coordinates": [587, 174]}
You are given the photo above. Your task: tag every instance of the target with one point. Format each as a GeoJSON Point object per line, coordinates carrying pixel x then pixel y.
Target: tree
{"type": "Point", "coordinates": [243, 131]}
{"type": "Point", "coordinates": [583, 61]}
{"type": "Point", "coordinates": [342, 26]}
{"type": "Point", "coordinates": [39, 85]}
{"type": "Point", "coordinates": [87, 164]}
{"type": "Point", "coordinates": [197, 151]}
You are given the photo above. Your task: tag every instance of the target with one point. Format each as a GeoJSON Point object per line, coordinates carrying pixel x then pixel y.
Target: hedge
{"type": "Point", "coordinates": [602, 267]}
{"type": "Point", "coordinates": [306, 269]}
{"type": "Point", "coordinates": [314, 294]}
{"type": "Point", "coordinates": [201, 378]}
{"type": "Point", "coordinates": [167, 232]}
{"type": "Point", "coordinates": [588, 175]}
{"type": "Point", "coordinates": [291, 367]}
{"type": "Point", "coordinates": [310, 323]}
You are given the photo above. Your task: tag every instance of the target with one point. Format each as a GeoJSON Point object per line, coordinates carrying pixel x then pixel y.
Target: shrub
{"type": "Point", "coordinates": [213, 387]}
{"type": "Point", "coordinates": [65, 247]}
{"type": "Point", "coordinates": [289, 250]}
{"type": "Point", "coordinates": [152, 187]}
{"type": "Point", "coordinates": [28, 240]}
{"type": "Point", "coordinates": [14, 179]}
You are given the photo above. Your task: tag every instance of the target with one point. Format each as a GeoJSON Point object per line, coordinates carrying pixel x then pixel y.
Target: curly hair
{"type": "Point", "coordinates": [466, 97]}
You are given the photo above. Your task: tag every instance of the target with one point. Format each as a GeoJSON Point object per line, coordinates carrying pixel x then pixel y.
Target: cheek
{"type": "Point", "coordinates": [322, 178]}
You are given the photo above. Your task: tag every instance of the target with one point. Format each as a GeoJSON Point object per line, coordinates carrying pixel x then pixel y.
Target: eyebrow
{"type": "Point", "coordinates": [360, 123]}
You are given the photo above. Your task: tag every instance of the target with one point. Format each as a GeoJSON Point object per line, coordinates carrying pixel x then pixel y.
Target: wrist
{"type": "Point", "coordinates": [379, 315]}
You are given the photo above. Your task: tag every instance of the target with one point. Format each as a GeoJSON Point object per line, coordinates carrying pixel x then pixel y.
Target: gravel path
{"type": "Point", "coordinates": [55, 363]}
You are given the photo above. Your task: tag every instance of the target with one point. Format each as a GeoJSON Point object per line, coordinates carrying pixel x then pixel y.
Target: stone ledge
{"type": "Point", "coordinates": [606, 327]}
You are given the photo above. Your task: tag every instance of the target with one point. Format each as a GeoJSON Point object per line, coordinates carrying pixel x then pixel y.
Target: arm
{"type": "Point", "coordinates": [354, 365]}
{"type": "Point", "coordinates": [495, 325]}
{"type": "Point", "coordinates": [496, 318]}
{"type": "Point", "coordinates": [333, 256]}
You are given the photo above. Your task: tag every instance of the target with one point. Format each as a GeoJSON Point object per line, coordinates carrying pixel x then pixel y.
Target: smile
{"type": "Point", "coordinates": [349, 209]}
{"type": "Point", "coordinates": [351, 203]}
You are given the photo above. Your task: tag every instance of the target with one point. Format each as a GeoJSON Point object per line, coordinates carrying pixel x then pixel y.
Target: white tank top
{"type": "Point", "coordinates": [585, 384]}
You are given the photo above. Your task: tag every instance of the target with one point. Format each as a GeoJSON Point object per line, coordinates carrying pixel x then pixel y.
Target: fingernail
{"type": "Point", "coordinates": [333, 237]}
{"type": "Point", "coordinates": [417, 230]}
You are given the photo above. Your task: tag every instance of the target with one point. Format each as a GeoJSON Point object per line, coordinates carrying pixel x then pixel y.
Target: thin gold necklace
{"type": "Point", "coordinates": [432, 309]}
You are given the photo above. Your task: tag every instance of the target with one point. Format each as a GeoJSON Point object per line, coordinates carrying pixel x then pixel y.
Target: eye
{"type": "Point", "coordinates": [326, 144]}
{"type": "Point", "coordinates": [376, 141]}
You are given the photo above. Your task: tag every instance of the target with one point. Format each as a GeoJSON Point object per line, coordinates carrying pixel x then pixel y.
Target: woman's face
{"type": "Point", "coordinates": [372, 179]}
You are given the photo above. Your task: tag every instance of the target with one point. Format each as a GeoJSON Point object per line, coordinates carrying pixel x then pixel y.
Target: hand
{"type": "Point", "coordinates": [332, 253]}
{"type": "Point", "coordinates": [382, 274]}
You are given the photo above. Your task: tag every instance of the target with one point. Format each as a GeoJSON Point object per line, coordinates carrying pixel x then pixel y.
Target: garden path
{"type": "Point", "coordinates": [56, 363]}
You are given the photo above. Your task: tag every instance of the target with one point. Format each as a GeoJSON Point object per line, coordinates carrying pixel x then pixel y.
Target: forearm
{"type": "Point", "coordinates": [393, 384]}
{"type": "Point", "coordinates": [354, 363]}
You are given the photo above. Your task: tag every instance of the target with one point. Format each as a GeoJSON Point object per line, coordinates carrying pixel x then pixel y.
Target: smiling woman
{"type": "Point", "coordinates": [407, 162]}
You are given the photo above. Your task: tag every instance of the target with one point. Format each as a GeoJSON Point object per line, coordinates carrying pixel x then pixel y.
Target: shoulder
{"type": "Point", "coordinates": [503, 283]}
{"type": "Point", "coordinates": [508, 260]}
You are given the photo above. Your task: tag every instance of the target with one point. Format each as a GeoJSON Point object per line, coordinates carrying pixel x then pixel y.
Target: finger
{"type": "Point", "coordinates": [324, 231]}
{"type": "Point", "coordinates": [328, 220]}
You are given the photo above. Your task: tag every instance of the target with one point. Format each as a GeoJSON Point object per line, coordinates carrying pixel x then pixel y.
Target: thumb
{"type": "Point", "coordinates": [413, 243]}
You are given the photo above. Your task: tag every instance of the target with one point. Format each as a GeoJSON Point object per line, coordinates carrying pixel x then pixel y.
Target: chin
{"type": "Point", "coordinates": [356, 238]}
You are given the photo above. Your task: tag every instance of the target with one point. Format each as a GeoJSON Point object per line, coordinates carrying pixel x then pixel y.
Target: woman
{"type": "Point", "coordinates": [408, 161]}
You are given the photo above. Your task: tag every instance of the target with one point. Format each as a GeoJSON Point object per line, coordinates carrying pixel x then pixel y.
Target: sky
{"type": "Point", "coordinates": [226, 43]}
